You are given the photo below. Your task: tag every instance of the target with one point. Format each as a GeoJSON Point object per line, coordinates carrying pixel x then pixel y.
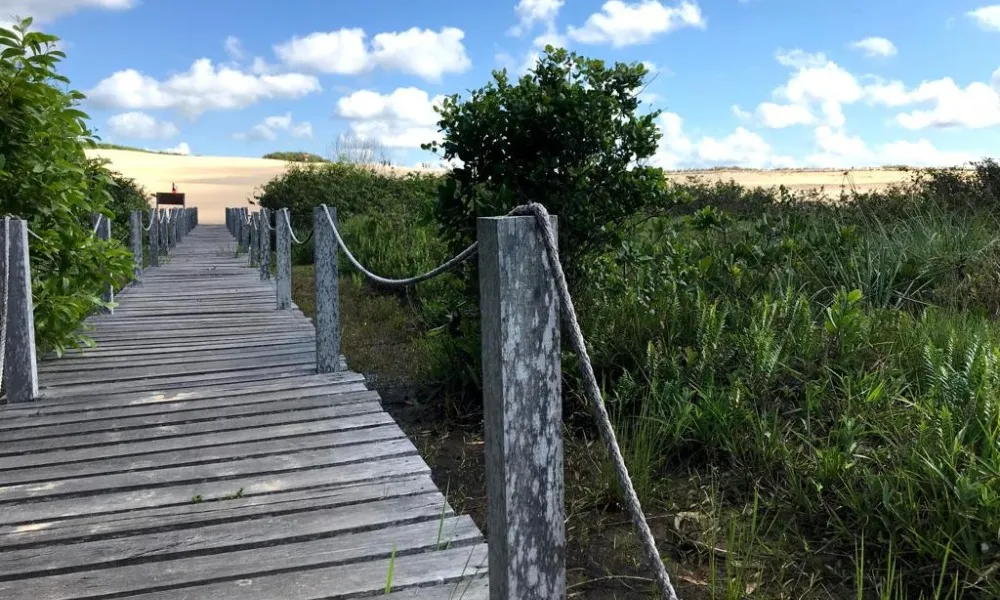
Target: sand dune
{"type": "Point", "coordinates": [213, 183]}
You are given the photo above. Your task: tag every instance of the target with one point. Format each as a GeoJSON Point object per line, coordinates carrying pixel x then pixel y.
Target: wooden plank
{"type": "Point", "coordinates": [183, 455]}
{"type": "Point", "coordinates": [290, 562]}
{"type": "Point", "coordinates": [111, 401]}
{"type": "Point", "coordinates": [253, 532]}
{"type": "Point", "coordinates": [183, 404]}
{"type": "Point", "coordinates": [205, 440]}
{"type": "Point", "coordinates": [367, 578]}
{"type": "Point", "coordinates": [179, 430]}
{"type": "Point", "coordinates": [190, 515]}
{"type": "Point", "coordinates": [62, 508]}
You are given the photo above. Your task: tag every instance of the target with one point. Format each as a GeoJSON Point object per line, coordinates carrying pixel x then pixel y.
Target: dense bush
{"type": "Point", "coordinates": [46, 179]}
{"type": "Point", "coordinates": [569, 135]}
{"type": "Point", "coordinates": [306, 157]}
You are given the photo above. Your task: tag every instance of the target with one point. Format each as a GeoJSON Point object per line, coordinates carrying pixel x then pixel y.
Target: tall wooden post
{"type": "Point", "coordinates": [327, 292]}
{"type": "Point", "coordinates": [264, 256]}
{"type": "Point", "coordinates": [20, 368]}
{"type": "Point", "coordinates": [154, 238]}
{"type": "Point", "coordinates": [283, 254]}
{"type": "Point", "coordinates": [135, 220]}
{"type": "Point", "coordinates": [522, 411]}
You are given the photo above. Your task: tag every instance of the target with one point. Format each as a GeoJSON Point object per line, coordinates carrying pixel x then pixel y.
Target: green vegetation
{"type": "Point", "coordinates": [814, 386]}
{"type": "Point", "coordinates": [305, 157]}
{"type": "Point", "coordinates": [46, 178]}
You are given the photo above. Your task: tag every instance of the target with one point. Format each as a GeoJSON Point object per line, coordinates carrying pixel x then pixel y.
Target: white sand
{"type": "Point", "coordinates": [213, 183]}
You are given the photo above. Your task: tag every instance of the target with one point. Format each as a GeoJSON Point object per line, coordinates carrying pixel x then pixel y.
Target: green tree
{"type": "Point", "coordinates": [45, 178]}
{"type": "Point", "coordinates": [569, 135]}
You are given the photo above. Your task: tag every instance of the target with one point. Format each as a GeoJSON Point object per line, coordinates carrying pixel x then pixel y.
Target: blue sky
{"type": "Point", "coordinates": [760, 83]}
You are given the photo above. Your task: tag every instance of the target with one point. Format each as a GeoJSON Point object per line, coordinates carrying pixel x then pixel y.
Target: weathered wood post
{"type": "Point", "coordinates": [229, 220]}
{"type": "Point", "coordinates": [20, 367]}
{"type": "Point", "coordinates": [522, 411]}
{"type": "Point", "coordinates": [173, 228]}
{"type": "Point", "coordinates": [327, 292]}
{"type": "Point", "coordinates": [265, 244]}
{"type": "Point", "coordinates": [164, 236]}
{"type": "Point", "coordinates": [283, 255]}
{"type": "Point", "coordinates": [154, 238]}
{"type": "Point", "coordinates": [135, 220]}
{"type": "Point", "coordinates": [103, 226]}
{"type": "Point", "coordinates": [245, 229]}
{"type": "Point", "coordinates": [178, 225]}
{"type": "Point", "coordinates": [254, 242]}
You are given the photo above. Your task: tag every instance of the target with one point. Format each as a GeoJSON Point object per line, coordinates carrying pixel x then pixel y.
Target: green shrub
{"type": "Point", "coordinates": [45, 178]}
{"type": "Point", "coordinates": [305, 157]}
{"type": "Point", "coordinates": [568, 135]}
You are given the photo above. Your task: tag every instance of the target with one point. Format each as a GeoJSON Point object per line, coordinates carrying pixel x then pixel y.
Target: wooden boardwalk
{"type": "Point", "coordinates": [196, 454]}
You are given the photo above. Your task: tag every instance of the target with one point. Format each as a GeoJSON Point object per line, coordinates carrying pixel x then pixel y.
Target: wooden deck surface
{"type": "Point", "coordinates": [196, 454]}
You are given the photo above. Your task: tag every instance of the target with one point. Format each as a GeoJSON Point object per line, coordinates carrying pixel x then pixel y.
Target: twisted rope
{"type": "Point", "coordinates": [463, 256]}
{"type": "Point", "coordinates": [97, 225]}
{"type": "Point", "coordinates": [147, 227]}
{"type": "Point", "coordinates": [591, 388]}
{"type": "Point", "coordinates": [292, 231]}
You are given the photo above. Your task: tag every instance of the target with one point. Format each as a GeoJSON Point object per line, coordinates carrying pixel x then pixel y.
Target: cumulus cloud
{"type": "Point", "coordinates": [987, 17]}
{"type": "Point", "coordinates": [836, 149]}
{"type": "Point", "coordinates": [234, 47]}
{"type": "Point", "coordinates": [975, 106]}
{"type": "Point", "coordinates": [875, 47]}
{"type": "Point", "coordinates": [532, 12]}
{"type": "Point", "coordinates": [625, 24]}
{"type": "Point", "coordinates": [140, 125]}
{"type": "Point", "coordinates": [343, 52]}
{"type": "Point", "coordinates": [403, 119]}
{"type": "Point", "coordinates": [204, 87]}
{"type": "Point", "coordinates": [425, 53]}
{"type": "Point", "coordinates": [742, 148]}
{"type": "Point", "coordinates": [816, 85]}
{"type": "Point", "coordinates": [271, 127]}
{"type": "Point", "coordinates": [48, 10]}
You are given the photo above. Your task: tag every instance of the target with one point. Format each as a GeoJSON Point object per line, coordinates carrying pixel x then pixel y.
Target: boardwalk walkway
{"type": "Point", "coordinates": [195, 454]}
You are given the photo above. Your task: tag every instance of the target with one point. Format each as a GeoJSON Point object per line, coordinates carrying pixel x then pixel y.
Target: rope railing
{"type": "Point", "coordinates": [566, 309]}
{"type": "Point", "coordinates": [5, 294]}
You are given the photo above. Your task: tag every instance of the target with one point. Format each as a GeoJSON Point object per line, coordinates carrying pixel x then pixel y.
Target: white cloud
{"type": "Point", "coordinates": [182, 149]}
{"type": "Point", "coordinates": [876, 46]}
{"type": "Point", "coordinates": [403, 119]}
{"type": "Point", "coordinates": [531, 12]}
{"type": "Point", "coordinates": [817, 82]}
{"type": "Point", "coordinates": [779, 116]}
{"type": "Point", "coordinates": [422, 52]}
{"type": "Point", "coordinates": [741, 148]}
{"type": "Point", "coordinates": [204, 87]}
{"type": "Point", "coordinates": [234, 48]}
{"type": "Point", "coordinates": [741, 114]}
{"type": "Point", "coordinates": [141, 126]}
{"type": "Point", "coordinates": [836, 149]}
{"type": "Point", "coordinates": [48, 10]}
{"type": "Point", "coordinates": [270, 127]}
{"type": "Point", "coordinates": [343, 52]}
{"type": "Point", "coordinates": [975, 106]}
{"type": "Point", "coordinates": [987, 17]}
{"type": "Point", "coordinates": [624, 24]}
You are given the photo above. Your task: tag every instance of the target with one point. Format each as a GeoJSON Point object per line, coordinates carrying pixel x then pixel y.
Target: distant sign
{"type": "Point", "coordinates": [169, 198]}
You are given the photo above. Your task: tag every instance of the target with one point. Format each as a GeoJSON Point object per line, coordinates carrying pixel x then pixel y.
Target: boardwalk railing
{"type": "Point", "coordinates": [18, 352]}
{"type": "Point", "coordinates": [523, 294]}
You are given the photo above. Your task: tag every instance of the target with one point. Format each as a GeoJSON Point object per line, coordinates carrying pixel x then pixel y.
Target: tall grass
{"type": "Point", "coordinates": [837, 366]}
